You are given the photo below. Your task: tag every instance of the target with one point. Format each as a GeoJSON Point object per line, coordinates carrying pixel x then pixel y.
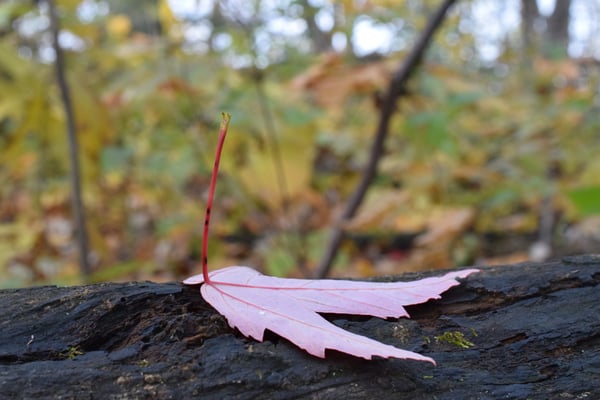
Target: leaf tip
{"type": "Point", "coordinates": [194, 280]}
{"type": "Point", "coordinates": [466, 272]}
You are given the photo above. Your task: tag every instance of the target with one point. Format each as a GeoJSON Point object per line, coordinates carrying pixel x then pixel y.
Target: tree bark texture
{"type": "Point", "coordinates": [534, 332]}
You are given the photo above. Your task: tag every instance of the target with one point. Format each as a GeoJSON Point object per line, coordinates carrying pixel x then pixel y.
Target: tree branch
{"type": "Point", "coordinates": [394, 91]}
{"type": "Point", "coordinates": [294, 241]}
{"type": "Point", "coordinates": [76, 198]}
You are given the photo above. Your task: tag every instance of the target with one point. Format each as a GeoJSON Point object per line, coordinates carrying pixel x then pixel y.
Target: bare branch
{"type": "Point", "coordinates": [76, 198]}
{"type": "Point", "coordinates": [395, 90]}
{"type": "Point", "coordinates": [294, 241]}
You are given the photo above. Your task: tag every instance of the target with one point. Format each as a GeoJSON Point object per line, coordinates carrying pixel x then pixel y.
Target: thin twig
{"type": "Point", "coordinates": [272, 138]}
{"type": "Point", "coordinates": [267, 115]}
{"type": "Point", "coordinates": [76, 199]}
{"type": "Point", "coordinates": [388, 107]}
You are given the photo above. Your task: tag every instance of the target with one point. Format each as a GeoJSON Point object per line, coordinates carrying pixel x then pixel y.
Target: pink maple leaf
{"type": "Point", "coordinates": [253, 302]}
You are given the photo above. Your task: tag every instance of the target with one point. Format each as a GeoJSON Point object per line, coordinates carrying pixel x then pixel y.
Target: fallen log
{"type": "Point", "coordinates": [518, 331]}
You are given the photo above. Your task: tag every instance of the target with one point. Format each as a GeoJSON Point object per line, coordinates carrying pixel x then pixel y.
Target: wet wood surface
{"type": "Point", "coordinates": [512, 332]}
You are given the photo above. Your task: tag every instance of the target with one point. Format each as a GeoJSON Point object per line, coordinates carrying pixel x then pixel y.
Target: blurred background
{"type": "Point", "coordinates": [492, 156]}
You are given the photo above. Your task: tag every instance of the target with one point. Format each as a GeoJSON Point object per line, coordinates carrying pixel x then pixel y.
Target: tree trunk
{"type": "Point", "coordinates": [321, 41]}
{"type": "Point", "coordinates": [555, 38]}
{"type": "Point", "coordinates": [513, 332]}
{"type": "Point", "coordinates": [557, 32]}
{"type": "Point", "coordinates": [529, 15]}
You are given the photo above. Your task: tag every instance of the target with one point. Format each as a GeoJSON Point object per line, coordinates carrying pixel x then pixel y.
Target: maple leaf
{"type": "Point", "coordinates": [253, 302]}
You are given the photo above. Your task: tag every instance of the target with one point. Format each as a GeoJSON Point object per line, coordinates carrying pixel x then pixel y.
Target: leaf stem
{"type": "Point", "coordinates": [225, 118]}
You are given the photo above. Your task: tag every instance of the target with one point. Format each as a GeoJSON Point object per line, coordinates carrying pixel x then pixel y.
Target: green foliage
{"type": "Point", "coordinates": [586, 200]}
{"type": "Point", "coordinates": [496, 138]}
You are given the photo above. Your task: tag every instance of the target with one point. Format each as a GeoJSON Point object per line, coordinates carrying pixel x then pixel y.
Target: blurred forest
{"type": "Point", "coordinates": [492, 155]}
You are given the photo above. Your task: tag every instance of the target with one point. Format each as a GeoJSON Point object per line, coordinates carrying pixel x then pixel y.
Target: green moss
{"type": "Point", "coordinates": [71, 353]}
{"type": "Point", "coordinates": [456, 338]}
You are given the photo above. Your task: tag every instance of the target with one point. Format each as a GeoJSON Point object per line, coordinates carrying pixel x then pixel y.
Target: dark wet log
{"type": "Point", "coordinates": [534, 332]}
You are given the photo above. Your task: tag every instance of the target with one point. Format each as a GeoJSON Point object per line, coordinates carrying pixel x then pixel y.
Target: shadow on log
{"type": "Point", "coordinates": [512, 332]}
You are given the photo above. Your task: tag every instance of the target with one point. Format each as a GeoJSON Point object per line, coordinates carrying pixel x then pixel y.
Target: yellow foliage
{"type": "Point", "coordinates": [470, 149]}
{"type": "Point", "coordinates": [259, 173]}
{"type": "Point", "coordinates": [167, 18]}
{"type": "Point", "coordinates": [118, 26]}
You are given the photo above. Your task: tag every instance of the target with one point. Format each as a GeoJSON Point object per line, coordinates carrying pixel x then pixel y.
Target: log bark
{"type": "Point", "coordinates": [534, 331]}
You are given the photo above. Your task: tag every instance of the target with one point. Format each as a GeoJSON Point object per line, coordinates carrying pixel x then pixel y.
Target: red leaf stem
{"type": "Point", "coordinates": [225, 118]}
